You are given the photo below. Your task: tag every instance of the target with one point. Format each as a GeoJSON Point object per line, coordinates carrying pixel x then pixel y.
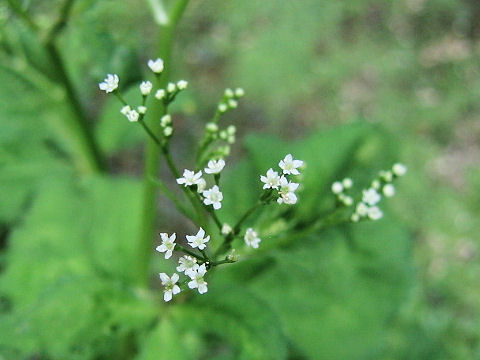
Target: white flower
{"type": "Point", "coordinates": [125, 110]}
{"type": "Point", "coordinates": [375, 213]}
{"type": "Point", "coordinates": [347, 183]}
{"type": "Point", "coordinates": [232, 103]}
{"type": "Point", "coordinates": [222, 107]}
{"type": "Point", "coordinates": [182, 84]}
{"type": "Point", "coordinates": [156, 65]}
{"type": "Point", "coordinates": [133, 115]}
{"type": "Point", "coordinates": [272, 180]}
{"type": "Point", "coordinates": [346, 200]}
{"type": "Point", "coordinates": [337, 187]}
{"type": "Point", "coordinates": [229, 93]}
{"type": "Point", "coordinates": [171, 287]}
{"type": "Point", "coordinates": [213, 197]}
{"type": "Point", "coordinates": [197, 280]}
{"type": "Point", "coordinates": [142, 110]}
{"type": "Point", "coordinates": [371, 196]}
{"type": "Point", "coordinates": [215, 166]}
{"type": "Point", "coordinates": [165, 120]}
{"type": "Point", "coordinates": [287, 191]}
{"type": "Point", "coordinates": [355, 217]}
{"type": "Point", "coordinates": [171, 87]}
{"type": "Point", "coordinates": [233, 256]}
{"type": "Point", "coordinates": [190, 178]}
{"type": "Point", "coordinates": [287, 198]}
{"type": "Point", "coordinates": [145, 87]}
{"type": "Point", "coordinates": [289, 165]}
{"type": "Point", "coordinates": [168, 131]}
{"type": "Point", "coordinates": [201, 185]}
{"type": "Point", "coordinates": [211, 127]}
{"type": "Point", "coordinates": [376, 184]}
{"type": "Point", "coordinates": [399, 169]}
{"type": "Point", "coordinates": [251, 238]}
{"type": "Point", "coordinates": [110, 83]}
{"type": "Point", "coordinates": [362, 209]}
{"type": "Point", "coordinates": [388, 190]}
{"type": "Point", "coordinates": [239, 92]}
{"type": "Point", "coordinates": [226, 229]}
{"type": "Point", "coordinates": [168, 244]}
{"type": "Point", "coordinates": [231, 130]}
{"type": "Point", "coordinates": [160, 94]}
{"type": "Point", "coordinates": [198, 241]}
{"type": "Point", "coordinates": [187, 264]}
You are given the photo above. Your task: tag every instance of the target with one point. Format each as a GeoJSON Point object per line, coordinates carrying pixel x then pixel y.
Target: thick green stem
{"type": "Point", "coordinates": [152, 153]}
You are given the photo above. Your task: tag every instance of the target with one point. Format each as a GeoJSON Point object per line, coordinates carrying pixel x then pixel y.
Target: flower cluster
{"type": "Point", "coordinates": [285, 188]}
{"type": "Point", "coordinates": [367, 206]}
{"type": "Point", "coordinates": [230, 99]}
{"type": "Point", "coordinates": [188, 265]}
{"type": "Point", "coordinates": [212, 196]}
{"type": "Point", "coordinates": [167, 95]}
{"type": "Point", "coordinates": [339, 188]}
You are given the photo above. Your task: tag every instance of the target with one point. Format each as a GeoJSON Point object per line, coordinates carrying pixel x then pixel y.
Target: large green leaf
{"type": "Point", "coordinates": [70, 268]}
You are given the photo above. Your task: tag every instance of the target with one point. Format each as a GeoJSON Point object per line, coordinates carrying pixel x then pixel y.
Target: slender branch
{"type": "Point", "coordinates": [180, 207]}
{"type": "Point", "coordinates": [191, 253]}
{"type": "Point", "coordinates": [150, 133]}
{"type": "Point", "coordinates": [61, 21]}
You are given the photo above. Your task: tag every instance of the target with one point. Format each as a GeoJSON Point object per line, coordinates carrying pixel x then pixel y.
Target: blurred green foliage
{"type": "Point", "coordinates": [361, 84]}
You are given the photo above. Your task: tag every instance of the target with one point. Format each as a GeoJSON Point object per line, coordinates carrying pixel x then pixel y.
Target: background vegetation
{"type": "Point", "coordinates": [357, 85]}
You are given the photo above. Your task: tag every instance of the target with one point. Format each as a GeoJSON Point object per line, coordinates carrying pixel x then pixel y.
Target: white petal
{"type": "Point", "coordinates": [174, 278]}
{"type": "Point", "coordinates": [164, 277]}
{"type": "Point", "coordinates": [192, 284]}
{"type": "Point", "coordinates": [168, 254]}
{"type": "Point", "coordinates": [167, 295]}
{"type": "Point", "coordinates": [202, 288]}
{"type": "Point", "coordinates": [217, 205]}
{"type": "Point", "coordinates": [176, 290]}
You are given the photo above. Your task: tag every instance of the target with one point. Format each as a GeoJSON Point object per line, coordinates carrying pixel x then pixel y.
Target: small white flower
{"type": "Point", "coordinates": [223, 135]}
{"type": "Point", "coordinates": [376, 184]}
{"type": "Point", "coordinates": [201, 185]}
{"type": "Point", "coordinates": [170, 284]}
{"type": "Point", "coordinates": [222, 107]}
{"type": "Point", "coordinates": [168, 131]}
{"type": "Point", "coordinates": [133, 116]}
{"type": "Point", "coordinates": [272, 180]}
{"type": "Point", "coordinates": [289, 165]}
{"type": "Point", "coordinates": [251, 238]}
{"type": "Point", "coordinates": [362, 209]}
{"type": "Point", "coordinates": [346, 200]}
{"type": "Point", "coordinates": [375, 213]}
{"type": "Point", "coordinates": [226, 229]}
{"type": "Point", "coordinates": [187, 264]}
{"type": "Point", "coordinates": [165, 120]}
{"type": "Point", "coordinates": [239, 92]}
{"type": "Point", "coordinates": [156, 65]}
{"type": "Point", "coordinates": [142, 110]}
{"type": "Point", "coordinates": [110, 83]}
{"type": "Point", "coordinates": [399, 169]}
{"type": "Point", "coordinates": [355, 217]}
{"type": "Point", "coordinates": [231, 139]}
{"type": "Point", "coordinates": [229, 93]}
{"type": "Point", "coordinates": [198, 241]}
{"type": "Point", "coordinates": [232, 103]}
{"type": "Point", "coordinates": [287, 191]}
{"type": "Point", "coordinates": [145, 87]}
{"type": "Point", "coordinates": [125, 110]}
{"type": "Point", "coordinates": [287, 198]}
{"type": "Point", "coordinates": [171, 87]}
{"type": "Point", "coordinates": [190, 178]}
{"type": "Point", "coordinates": [182, 84]}
{"type": "Point", "coordinates": [231, 130]}
{"type": "Point", "coordinates": [197, 280]}
{"type": "Point", "coordinates": [388, 190]}
{"type": "Point", "coordinates": [233, 256]}
{"type": "Point", "coordinates": [211, 127]}
{"type": "Point", "coordinates": [213, 197]}
{"type": "Point", "coordinates": [160, 94]}
{"type": "Point", "coordinates": [168, 244]}
{"type": "Point", "coordinates": [347, 183]}
{"type": "Point", "coordinates": [371, 196]}
{"type": "Point", "coordinates": [215, 166]}
{"type": "Point", "coordinates": [337, 187]}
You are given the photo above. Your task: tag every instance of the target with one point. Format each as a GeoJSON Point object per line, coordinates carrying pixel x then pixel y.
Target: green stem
{"type": "Point", "coordinates": [22, 14]}
{"type": "Point", "coordinates": [189, 252]}
{"type": "Point", "coordinates": [168, 193]}
{"type": "Point", "coordinates": [149, 132]}
{"type": "Point", "coordinates": [152, 155]}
